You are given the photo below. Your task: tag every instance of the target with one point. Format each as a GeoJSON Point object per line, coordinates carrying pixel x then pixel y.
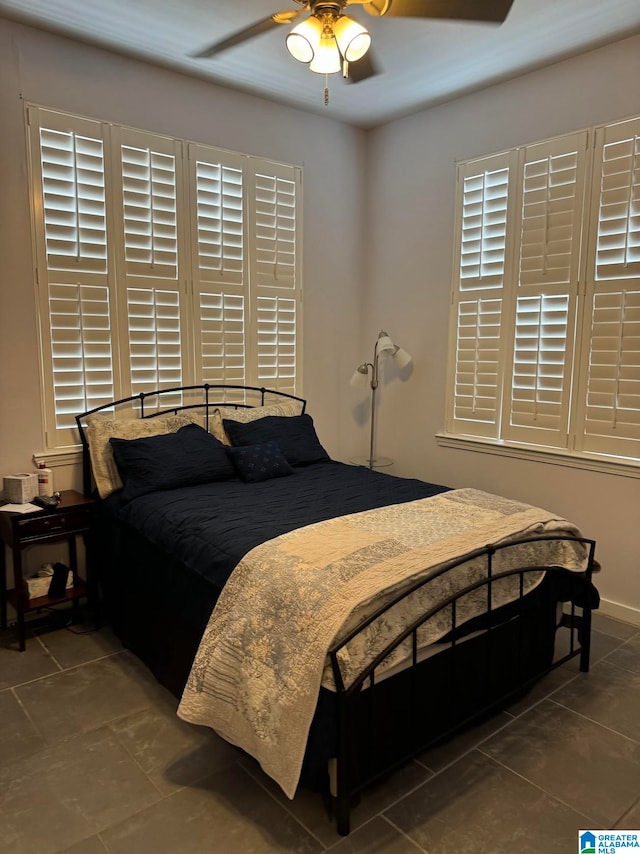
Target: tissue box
{"type": "Point", "coordinates": [40, 586]}
{"type": "Point", "coordinates": [20, 488]}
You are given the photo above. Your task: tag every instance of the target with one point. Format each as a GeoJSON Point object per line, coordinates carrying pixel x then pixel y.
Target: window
{"type": "Point", "coordinates": [159, 263]}
{"type": "Point", "coordinates": [545, 337]}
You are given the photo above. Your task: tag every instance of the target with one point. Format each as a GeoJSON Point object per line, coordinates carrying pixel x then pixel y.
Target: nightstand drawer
{"type": "Point", "coordinates": [64, 522]}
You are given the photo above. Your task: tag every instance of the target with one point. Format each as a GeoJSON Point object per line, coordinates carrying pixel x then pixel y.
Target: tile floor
{"type": "Point", "coordinates": [93, 759]}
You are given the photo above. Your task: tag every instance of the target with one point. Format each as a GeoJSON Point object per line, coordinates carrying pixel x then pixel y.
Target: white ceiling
{"type": "Point", "coordinates": [421, 62]}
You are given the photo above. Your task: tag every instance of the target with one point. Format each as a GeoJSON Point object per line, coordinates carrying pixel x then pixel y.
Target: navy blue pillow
{"type": "Point", "coordinates": [170, 460]}
{"type": "Point", "coordinates": [259, 462]}
{"type": "Point", "coordinates": [295, 434]}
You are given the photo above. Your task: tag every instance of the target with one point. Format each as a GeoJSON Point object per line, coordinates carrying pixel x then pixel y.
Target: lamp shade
{"type": "Point", "coordinates": [360, 378]}
{"type": "Point", "coordinates": [303, 40]}
{"type": "Point", "coordinates": [326, 57]}
{"type": "Point", "coordinates": [353, 40]}
{"type": "Point", "coordinates": [384, 344]}
{"type": "Point", "coordinates": [401, 357]}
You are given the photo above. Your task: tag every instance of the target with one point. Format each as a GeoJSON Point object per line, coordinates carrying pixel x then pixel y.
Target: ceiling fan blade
{"type": "Point", "coordinates": [247, 33]}
{"type": "Point", "coordinates": [466, 10]}
{"type": "Point", "coordinates": [362, 68]}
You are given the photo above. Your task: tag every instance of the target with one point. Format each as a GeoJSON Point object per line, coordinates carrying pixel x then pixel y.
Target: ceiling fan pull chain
{"type": "Point", "coordinates": [326, 90]}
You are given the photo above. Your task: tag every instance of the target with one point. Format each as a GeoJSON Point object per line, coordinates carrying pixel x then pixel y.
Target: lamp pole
{"type": "Point", "coordinates": [374, 386]}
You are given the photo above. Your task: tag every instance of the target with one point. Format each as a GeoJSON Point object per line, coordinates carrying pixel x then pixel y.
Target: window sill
{"type": "Point", "coordinates": [540, 455]}
{"type": "Point", "coordinates": [60, 457]}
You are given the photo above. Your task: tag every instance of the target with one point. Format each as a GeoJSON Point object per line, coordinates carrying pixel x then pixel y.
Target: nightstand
{"type": "Point", "coordinates": [67, 521]}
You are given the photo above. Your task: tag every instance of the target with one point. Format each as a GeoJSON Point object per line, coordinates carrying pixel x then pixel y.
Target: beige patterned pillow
{"type": "Point", "coordinates": [292, 407]}
{"type": "Point", "coordinates": [101, 427]}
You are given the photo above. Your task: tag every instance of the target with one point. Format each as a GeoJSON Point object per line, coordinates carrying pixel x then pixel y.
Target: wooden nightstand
{"type": "Point", "coordinates": [70, 519]}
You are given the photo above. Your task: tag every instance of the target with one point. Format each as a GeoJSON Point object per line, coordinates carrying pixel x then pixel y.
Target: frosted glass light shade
{"type": "Point", "coordinates": [384, 344]}
{"type": "Point", "coordinates": [401, 357]}
{"type": "Point", "coordinates": [353, 40]}
{"type": "Point", "coordinates": [326, 57]}
{"type": "Point", "coordinates": [303, 40]}
{"type": "Point", "coordinates": [360, 378]}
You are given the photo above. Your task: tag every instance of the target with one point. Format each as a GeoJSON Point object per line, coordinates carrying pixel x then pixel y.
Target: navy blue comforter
{"type": "Point", "coordinates": [210, 527]}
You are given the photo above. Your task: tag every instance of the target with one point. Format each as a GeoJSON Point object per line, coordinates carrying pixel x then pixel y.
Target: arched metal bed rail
{"type": "Point", "coordinates": [220, 397]}
{"type": "Point", "coordinates": [343, 786]}
{"type": "Point", "coordinates": [488, 581]}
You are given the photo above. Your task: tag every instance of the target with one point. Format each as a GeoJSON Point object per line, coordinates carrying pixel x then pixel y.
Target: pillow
{"type": "Point", "coordinates": [286, 408]}
{"type": "Point", "coordinates": [295, 436]}
{"type": "Point", "coordinates": [259, 462]}
{"type": "Point", "coordinates": [189, 456]}
{"type": "Point", "coordinates": [101, 427]}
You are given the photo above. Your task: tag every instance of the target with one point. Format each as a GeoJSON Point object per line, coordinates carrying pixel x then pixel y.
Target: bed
{"type": "Point", "coordinates": [330, 620]}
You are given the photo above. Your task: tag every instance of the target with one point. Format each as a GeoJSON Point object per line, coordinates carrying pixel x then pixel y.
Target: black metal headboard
{"type": "Point", "coordinates": [169, 401]}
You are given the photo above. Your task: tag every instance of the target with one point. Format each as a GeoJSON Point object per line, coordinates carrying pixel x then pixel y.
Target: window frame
{"type": "Point", "coordinates": [500, 437]}
{"type": "Point", "coordinates": [125, 279]}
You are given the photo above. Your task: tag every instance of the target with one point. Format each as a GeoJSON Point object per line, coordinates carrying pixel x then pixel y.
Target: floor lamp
{"type": "Point", "coordinates": [367, 374]}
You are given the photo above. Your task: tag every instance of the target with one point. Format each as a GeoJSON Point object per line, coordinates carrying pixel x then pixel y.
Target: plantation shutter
{"type": "Point", "coordinates": [610, 391]}
{"type": "Point", "coordinates": [481, 263]}
{"type": "Point", "coordinates": [218, 257]}
{"type": "Point", "coordinates": [146, 170]}
{"type": "Point", "coordinates": [72, 266]}
{"type": "Point", "coordinates": [275, 272]}
{"type": "Point", "coordinates": [156, 270]}
{"type": "Point", "coordinates": [549, 224]}
{"type": "Point", "coordinates": [246, 268]}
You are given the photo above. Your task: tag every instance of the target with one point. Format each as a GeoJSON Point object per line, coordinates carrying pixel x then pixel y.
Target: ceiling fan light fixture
{"type": "Point", "coordinates": [304, 39]}
{"type": "Point", "coordinates": [352, 38]}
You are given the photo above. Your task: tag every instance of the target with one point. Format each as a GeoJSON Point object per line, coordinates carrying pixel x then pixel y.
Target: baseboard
{"type": "Point", "coordinates": [620, 612]}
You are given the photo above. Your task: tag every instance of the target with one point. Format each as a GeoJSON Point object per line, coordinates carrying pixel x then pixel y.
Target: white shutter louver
{"type": "Point", "coordinates": [484, 224]}
{"type": "Point", "coordinates": [81, 355]}
{"type": "Point", "coordinates": [155, 349]}
{"type": "Point", "coordinates": [73, 197]}
{"type": "Point", "coordinates": [276, 319]}
{"type": "Point", "coordinates": [551, 208]}
{"type": "Point", "coordinates": [223, 347]}
{"type": "Point", "coordinates": [476, 392]}
{"type": "Point", "coordinates": [275, 230]}
{"type": "Point", "coordinates": [612, 416]}
{"type": "Point", "coordinates": [220, 216]}
{"type": "Point", "coordinates": [149, 211]}
{"type": "Point", "coordinates": [539, 397]}
{"type": "Point", "coordinates": [618, 252]}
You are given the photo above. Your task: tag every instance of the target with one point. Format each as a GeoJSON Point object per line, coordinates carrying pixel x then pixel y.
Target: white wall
{"type": "Point", "coordinates": [64, 74]}
{"type": "Point", "coordinates": [412, 172]}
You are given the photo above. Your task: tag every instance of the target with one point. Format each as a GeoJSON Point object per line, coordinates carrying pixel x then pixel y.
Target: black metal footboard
{"type": "Point", "coordinates": [381, 724]}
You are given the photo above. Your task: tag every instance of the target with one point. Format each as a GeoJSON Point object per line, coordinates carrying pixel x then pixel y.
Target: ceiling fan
{"type": "Point", "coordinates": [329, 41]}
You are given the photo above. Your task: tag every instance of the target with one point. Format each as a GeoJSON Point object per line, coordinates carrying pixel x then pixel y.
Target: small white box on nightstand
{"type": "Point", "coordinates": [37, 587]}
{"type": "Point", "coordinates": [20, 488]}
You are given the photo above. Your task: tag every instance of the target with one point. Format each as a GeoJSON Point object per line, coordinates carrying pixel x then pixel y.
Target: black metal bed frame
{"type": "Point", "coordinates": [204, 405]}
{"type": "Point", "coordinates": [346, 778]}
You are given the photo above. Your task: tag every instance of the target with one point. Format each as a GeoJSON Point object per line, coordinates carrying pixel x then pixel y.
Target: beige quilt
{"type": "Point", "coordinates": [263, 657]}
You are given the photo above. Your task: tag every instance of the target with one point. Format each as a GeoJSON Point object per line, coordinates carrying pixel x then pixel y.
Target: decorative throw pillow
{"type": "Point", "coordinates": [168, 461]}
{"type": "Point", "coordinates": [259, 462]}
{"type": "Point", "coordinates": [295, 435]}
{"type": "Point", "coordinates": [252, 413]}
{"type": "Point", "coordinates": [101, 427]}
